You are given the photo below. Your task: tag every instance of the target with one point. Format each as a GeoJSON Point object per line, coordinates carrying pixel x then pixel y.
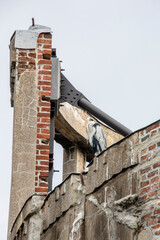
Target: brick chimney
{"type": "Point", "coordinates": [30, 81]}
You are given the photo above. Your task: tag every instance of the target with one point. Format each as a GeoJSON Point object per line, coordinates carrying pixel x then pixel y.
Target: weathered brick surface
{"type": "Point", "coordinates": [35, 61]}
{"type": "Point", "coordinates": [43, 113]}
{"type": "Point", "coordinates": [149, 175]}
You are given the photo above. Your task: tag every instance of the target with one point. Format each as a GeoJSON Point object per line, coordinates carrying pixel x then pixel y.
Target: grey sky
{"type": "Point", "coordinates": [110, 51]}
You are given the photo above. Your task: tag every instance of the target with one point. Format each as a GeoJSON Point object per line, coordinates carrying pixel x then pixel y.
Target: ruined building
{"type": "Point", "coordinates": [117, 198]}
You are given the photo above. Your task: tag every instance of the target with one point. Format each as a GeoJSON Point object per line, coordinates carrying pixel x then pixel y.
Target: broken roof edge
{"type": "Point", "coordinates": [27, 39]}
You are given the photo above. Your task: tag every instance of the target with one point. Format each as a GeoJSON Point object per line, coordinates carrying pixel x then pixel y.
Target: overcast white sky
{"type": "Point", "coordinates": [110, 51]}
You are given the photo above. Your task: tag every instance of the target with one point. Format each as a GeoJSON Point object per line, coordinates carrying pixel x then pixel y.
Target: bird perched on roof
{"type": "Point", "coordinates": [96, 136]}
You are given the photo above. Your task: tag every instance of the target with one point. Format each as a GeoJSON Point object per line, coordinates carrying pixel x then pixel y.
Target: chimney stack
{"type": "Point", "coordinates": [30, 81]}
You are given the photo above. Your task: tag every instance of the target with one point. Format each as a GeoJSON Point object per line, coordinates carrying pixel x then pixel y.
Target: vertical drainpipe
{"type": "Point", "coordinates": [51, 146]}
{"type": "Point", "coordinates": [55, 96]}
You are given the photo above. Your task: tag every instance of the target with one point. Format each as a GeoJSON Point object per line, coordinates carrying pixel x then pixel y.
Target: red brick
{"type": "Point", "coordinates": [38, 130]}
{"type": "Point", "coordinates": [143, 177]}
{"type": "Point", "coordinates": [40, 35]}
{"type": "Point", "coordinates": [151, 222]}
{"type": "Point", "coordinates": [23, 54]}
{"type": "Point", "coordinates": [49, 46]}
{"type": "Point", "coordinates": [41, 189]}
{"type": "Point", "coordinates": [42, 168]}
{"type": "Point", "coordinates": [45, 130]}
{"type": "Point", "coordinates": [44, 83]}
{"type": "Point", "coordinates": [145, 170]}
{"type": "Point", "coordinates": [44, 93]}
{"type": "Point", "coordinates": [145, 190]}
{"type": "Point", "coordinates": [43, 125]}
{"type": "Point", "coordinates": [151, 174]}
{"type": "Point", "coordinates": [40, 57]}
{"type": "Point", "coordinates": [44, 51]}
{"type": "Point", "coordinates": [157, 232]}
{"type": "Point", "coordinates": [156, 226]}
{"type": "Point", "coordinates": [143, 184]}
{"type": "Point", "coordinates": [32, 63]}
{"type": "Point", "coordinates": [46, 163]}
{"type": "Point", "coordinates": [26, 59]}
{"type": "Point", "coordinates": [47, 77]}
{"type": "Point", "coordinates": [43, 174]}
{"type": "Point", "coordinates": [21, 65]}
{"type": "Point", "coordinates": [21, 70]}
{"type": "Point", "coordinates": [144, 218]}
{"type": "Point", "coordinates": [157, 211]}
{"type": "Point", "coordinates": [46, 88]}
{"type": "Point", "coordinates": [46, 41]}
{"type": "Point", "coordinates": [47, 67]}
{"type": "Point", "coordinates": [44, 152]}
{"type": "Point", "coordinates": [156, 186]}
{"type": "Point", "coordinates": [153, 133]}
{"type": "Point", "coordinates": [45, 109]}
{"type": "Point", "coordinates": [142, 199]}
{"type": "Point", "coordinates": [33, 55]}
{"type": "Point", "coordinates": [42, 157]}
{"type": "Point", "coordinates": [43, 115]}
{"type": "Point", "coordinates": [144, 151]}
{"type": "Point", "coordinates": [45, 61]}
{"type": "Point", "coordinates": [42, 147]}
{"type": "Point", "coordinates": [44, 72]}
{"type": "Point", "coordinates": [42, 184]}
{"type": "Point", "coordinates": [145, 157]}
{"type": "Point", "coordinates": [47, 120]}
{"type": "Point", "coordinates": [152, 127]}
{"type": "Point", "coordinates": [155, 179]}
{"type": "Point", "coordinates": [156, 165]}
{"type": "Point", "coordinates": [44, 104]}
{"type": "Point", "coordinates": [152, 194]}
{"type": "Point", "coordinates": [46, 136]}
{"type": "Point", "coordinates": [152, 147]}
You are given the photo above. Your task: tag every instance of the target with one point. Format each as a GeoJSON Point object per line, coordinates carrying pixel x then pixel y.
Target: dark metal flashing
{"type": "Point", "coordinates": [69, 93]}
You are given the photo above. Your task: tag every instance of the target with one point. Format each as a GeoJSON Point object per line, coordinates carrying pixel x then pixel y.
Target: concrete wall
{"type": "Point", "coordinates": [120, 198]}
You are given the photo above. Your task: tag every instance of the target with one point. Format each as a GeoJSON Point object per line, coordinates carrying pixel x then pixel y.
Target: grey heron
{"type": "Point", "coordinates": [96, 136]}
